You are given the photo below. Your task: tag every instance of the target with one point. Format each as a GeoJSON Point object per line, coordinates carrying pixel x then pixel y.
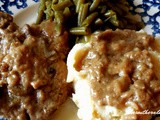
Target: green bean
{"type": "Point", "coordinates": [109, 13]}
{"type": "Point", "coordinates": [82, 13]}
{"type": "Point", "coordinates": [90, 19]}
{"type": "Point", "coordinates": [98, 22]}
{"type": "Point", "coordinates": [49, 13]}
{"type": "Point", "coordinates": [59, 29]}
{"type": "Point", "coordinates": [80, 31]}
{"type": "Point", "coordinates": [59, 17]}
{"type": "Point", "coordinates": [114, 20]}
{"type": "Point", "coordinates": [41, 11]}
{"type": "Point", "coordinates": [94, 5]}
{"type": "Point", "coordinates": [62, 5]}
{"type": "Point", "coordinates": [81, 17]}
{"type": "Point", "coordinates": [67, 13]}
{"type": "Point", "coordinates": [79, 2]}
{"type": "Point", "coordinates": [112, 17]}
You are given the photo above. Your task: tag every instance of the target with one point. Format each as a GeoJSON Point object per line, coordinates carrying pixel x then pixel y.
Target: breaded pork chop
{"type": "Point", "coordinates": [115, 76]}
{"type": "Point", "coordinates": [32, 70]}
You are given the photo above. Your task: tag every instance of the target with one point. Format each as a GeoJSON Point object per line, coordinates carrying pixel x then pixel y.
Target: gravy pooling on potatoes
{"type": "Point", "coordinates": [119, 70]}
{"type": "Point", "coordinates": [122, 69]}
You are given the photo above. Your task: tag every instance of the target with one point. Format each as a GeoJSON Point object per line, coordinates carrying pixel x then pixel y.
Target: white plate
{"type": "Point", "coordinates": [25, 11]}
{"type": "Point", "coordinates": [150, 12]}
{"type": "Point", "coordinates": [27, 15]}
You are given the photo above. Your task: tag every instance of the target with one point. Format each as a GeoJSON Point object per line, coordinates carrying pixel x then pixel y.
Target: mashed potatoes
{"type": "Point", "coordinates": [114, 76]}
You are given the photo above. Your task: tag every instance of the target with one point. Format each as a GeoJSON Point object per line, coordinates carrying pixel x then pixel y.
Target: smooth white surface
{"type": "Point", "coordinates": [27, 15]}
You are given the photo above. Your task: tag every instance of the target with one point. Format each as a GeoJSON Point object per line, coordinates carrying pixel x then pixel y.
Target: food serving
{"type": "Point", "coordinates": [83, 17]}
{"type": "Point", "coordinates": [90, 49]}
{"type": "Point", "coordinates": [33, 70]}
{"type": "Point", "coordinates": [115, 76]}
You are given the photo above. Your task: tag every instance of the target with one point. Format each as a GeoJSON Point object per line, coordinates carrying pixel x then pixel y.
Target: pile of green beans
{"type": "Point", "coordinates": [83, 17]}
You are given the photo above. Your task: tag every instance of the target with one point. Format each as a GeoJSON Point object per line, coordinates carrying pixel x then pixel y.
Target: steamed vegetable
{"type": "Point", "coordinates": [82, 17]}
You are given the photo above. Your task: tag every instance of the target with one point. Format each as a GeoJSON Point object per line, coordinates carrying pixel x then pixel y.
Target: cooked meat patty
{"type": "Point", "coordinates": [32, 70]}
{"type": "Point", "coordinates": [114, 76]}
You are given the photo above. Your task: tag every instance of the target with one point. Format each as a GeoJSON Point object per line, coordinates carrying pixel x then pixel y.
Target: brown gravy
{"type": "Point", "coordinates": [121, 70]}
{"type": "Point", "coordinates": [32, 70]}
